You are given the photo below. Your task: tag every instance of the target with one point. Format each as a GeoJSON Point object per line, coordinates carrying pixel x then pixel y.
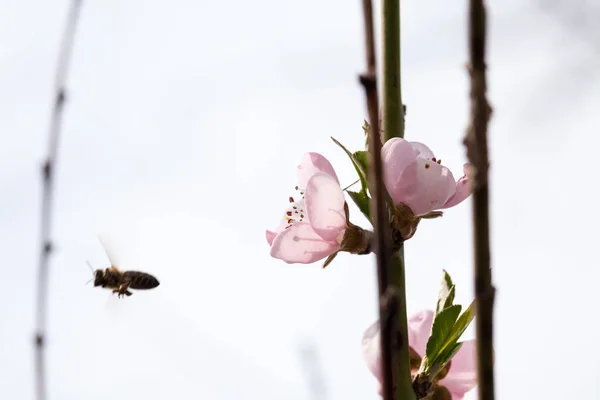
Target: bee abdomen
{"type": "Point", "coordinates": [141, 280]}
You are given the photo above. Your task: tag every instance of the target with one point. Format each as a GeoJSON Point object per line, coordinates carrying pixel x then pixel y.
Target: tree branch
{"type": "Point", "coordinates": [390, 267]}
{"type": "Point", "coordinates": [477, 153]}
{"type": "Point", "coordinates": [393, 126]}
{"type": "Point", "coordinates": [47, 196]}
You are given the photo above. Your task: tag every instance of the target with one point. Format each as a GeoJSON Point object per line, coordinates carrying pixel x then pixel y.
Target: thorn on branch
{"type": "Point", "coordinates": [48, 247]}
{"type": "Point", "coordinates": [47, 169]}
{"type": "Point", "coordinates": [61, 97]}
{"type": "Point", "coordinates": [368, 80]}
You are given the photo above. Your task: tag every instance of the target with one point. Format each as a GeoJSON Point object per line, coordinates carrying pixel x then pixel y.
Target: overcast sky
{"type": "Point", "coordinates": [184, 124]}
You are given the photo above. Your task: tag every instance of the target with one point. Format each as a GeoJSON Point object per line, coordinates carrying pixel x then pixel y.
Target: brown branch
{"type": "Point", "coordinates": [477, 152]}
{"type": "Point", "coordinates": [47, 196]}
{"type": "Point", "coordinates": [378, 209]}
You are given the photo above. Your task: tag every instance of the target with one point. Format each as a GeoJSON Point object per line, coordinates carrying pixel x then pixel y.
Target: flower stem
{"type": "Point", "coordinates": [477, 152]}
{"type": "Point", "coordinates": [393, 126]}
{"type": "Point", "coordinates": [396, 383]}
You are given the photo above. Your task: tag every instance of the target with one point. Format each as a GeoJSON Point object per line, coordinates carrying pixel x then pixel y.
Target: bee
{"type": "Point", "coordinates": [121, 281]}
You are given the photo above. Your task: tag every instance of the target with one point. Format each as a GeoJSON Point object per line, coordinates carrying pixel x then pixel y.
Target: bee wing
{"type": "Point", "coordinates": [110, 249]}
{"type": "Point", "coordinates": [112, 303]}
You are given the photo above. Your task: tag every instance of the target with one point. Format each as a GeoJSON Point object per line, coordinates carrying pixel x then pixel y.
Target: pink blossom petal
{"type": "Point", "coordinates": [419, 328]}
{"type": "Point", "coordinates": [270, 236]}
{"type": "Point", "coordinates": [462, 375]}
{"type": "Point", "coordinates": [422, 150]}
{"type": "Point", "coordinates": [463, 190]}
{"type": "Point", "coordinates": [397, 156]}
{"type": "Point", "coordinates": [325, 205]}
{"type": "Point", "coordinates": [282, 225]}
{"type": "Point", "coordinates": [311, 164]}
{"type": "Point", "coordinates": [456, 396]}
{"type": "Point", "coordinates": [301, 244]}
{"type": "Point", "coordinates": [371, 344]}
{"type": "Point", "coordinates": [428, 186]}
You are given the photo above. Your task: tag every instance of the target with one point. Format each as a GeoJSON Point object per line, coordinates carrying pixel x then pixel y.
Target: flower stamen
{"type": "Point", "coordinates": [295, 212]}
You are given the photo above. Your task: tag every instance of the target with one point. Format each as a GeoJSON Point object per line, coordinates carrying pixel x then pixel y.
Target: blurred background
{"type": "Point", "coordinates": [184, 124]}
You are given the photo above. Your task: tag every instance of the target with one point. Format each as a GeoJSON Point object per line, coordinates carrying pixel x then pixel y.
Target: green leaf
{"type": "Point", "coordinates": [362, 201]}
{"type": "Point", "coordinates": [458, 329]}
{"type": "Point", "coordinates": [366, 128]}
{"type": "Point", "coordinates": [463, 323]}
{"type": "Point", "coordinates": [446, 295]}
{"type": "Point", "coordinates": [443, 324]}
{"type": "Point", "coordinates": [445, 356]}
{"type": "Point", "coordinates": [362, 175]}
{"type": "Point", "coordinates": [363, 158]}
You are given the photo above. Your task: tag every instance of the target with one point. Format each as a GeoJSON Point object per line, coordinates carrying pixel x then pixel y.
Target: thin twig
{"type": "Point", "coordinates": [47, 195]}
{"type": "Point", "coordinates": [393, 109]}
{"type": "Point", "coordinates": [378, 210]}
{"type": "Point", "coordinates": [312, 367]}
{"type": "Point", "coordinates": [477, 152]}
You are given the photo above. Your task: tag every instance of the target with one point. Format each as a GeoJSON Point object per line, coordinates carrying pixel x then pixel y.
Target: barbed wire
{"type": "Point", "coordinates": [47, 196]}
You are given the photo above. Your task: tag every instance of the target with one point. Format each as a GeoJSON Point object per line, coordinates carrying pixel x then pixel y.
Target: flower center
{"type": "Point", "coordinates": [295, 211]}
{"type": "Point", "coordinates": [427, 165]}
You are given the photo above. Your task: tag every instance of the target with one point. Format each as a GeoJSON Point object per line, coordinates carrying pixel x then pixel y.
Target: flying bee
{"type": "Point", "coordinates": [121, 281]}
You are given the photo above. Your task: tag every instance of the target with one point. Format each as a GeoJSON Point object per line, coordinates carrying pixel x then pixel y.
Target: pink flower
{"type": "Point", "coordinates": [462, 375]}
{"type": "Point", "coordinates": [414, 177]}
{"type": "Point", "coordinates": [313, 227]}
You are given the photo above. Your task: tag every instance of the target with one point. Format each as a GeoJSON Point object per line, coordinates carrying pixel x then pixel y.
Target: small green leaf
{"type": "Point", "coordinates": [362, 175]}
{"type": "Point", "coordinates": [362, 201]}
{"type": "Point", "coordinates": [458, 329]}
{"type": "Point", "coordinates": [363, 159]}
{"type": "Point", "coordinates": [432, 215]}
{"type": "Point", "coordinates": [446, 295]}
{"type": "Point", "coordinates": [463, 322]}
{"type": "Point", "coordinates": [366, 128]}
{"type": "Point", "coordinates": [445, 356]}
{"type": "Point", "coordinates": [440, 331]}
{"type": "Point", "coordinates": [329, 259]}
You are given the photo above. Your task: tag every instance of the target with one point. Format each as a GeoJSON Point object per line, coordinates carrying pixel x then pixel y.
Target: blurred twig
{"type": "Point", "coordinates": [477, 152]}
{"type": "Point", "coordinates": [390, 270]}
{"type": "Point", "coordinates": [312, 367]}
{"type": "Point", "coordinates": [47, 195]}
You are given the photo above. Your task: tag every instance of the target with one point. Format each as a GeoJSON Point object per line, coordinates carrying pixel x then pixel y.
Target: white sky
{"type": "Point", "coordinates": [184, 125]}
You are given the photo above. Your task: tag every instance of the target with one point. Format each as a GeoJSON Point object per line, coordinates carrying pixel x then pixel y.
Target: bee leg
{"type": "Point", "coordinates": [122, 290]}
